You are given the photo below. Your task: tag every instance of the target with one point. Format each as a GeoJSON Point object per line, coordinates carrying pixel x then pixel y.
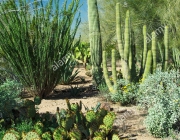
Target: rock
{"type": "Point", "coordinates": [122, 111]}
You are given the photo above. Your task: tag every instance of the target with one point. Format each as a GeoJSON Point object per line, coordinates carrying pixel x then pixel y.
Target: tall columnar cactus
{"type": "Point", "coordinates": [106, 77]}
{"type": "Point", "coordinates": [154, 51]}
{"type": "Point", "coordinates": [166, 44]}
{"type": "Point", "coordinates": [123, 47]}
{"type": "Point", "coordinates": [145, 46]}
{"type": "Point", "coordinates": [148, 67]}
{"type": "Point", "coordinates": [114, 74]}
{"type": "Point", "coordinates": [95, 40]}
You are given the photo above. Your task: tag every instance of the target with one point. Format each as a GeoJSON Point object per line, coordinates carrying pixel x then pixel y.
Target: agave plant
{"type": "Point", "coordinates": [33, 36]}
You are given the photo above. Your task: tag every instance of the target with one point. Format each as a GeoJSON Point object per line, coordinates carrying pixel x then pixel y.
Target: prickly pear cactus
{"type": "Point", "coordinates": [67, 123]}
{"type": "Point", "coordinates": [115, 137]}
{"type": "Point", "coordinates": [10, 136]}
{"type": "Point", "coordinates": [59, 134]}
{"type": "Point", "coordinates": [109, 120]}
{"type": "Point", "coordinates": [75, 134]}
{"type": "Point", "coordinates": [47, 136]}
{"type": "Point", "coordinates": [98, 138]}
{"type": "Point", "coordinates": [39, 128]}
{"type": "Point", "coordinates": [91, 116]}
{"type": "Point", "coordinates": [37, 100]}
{"type": "Point", "coordinates": [31, 136]}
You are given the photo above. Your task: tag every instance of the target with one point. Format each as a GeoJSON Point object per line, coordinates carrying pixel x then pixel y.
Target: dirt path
{"type": "Point", "coordinates": [129, 121]}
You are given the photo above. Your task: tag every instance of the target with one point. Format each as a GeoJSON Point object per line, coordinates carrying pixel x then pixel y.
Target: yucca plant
{"type": "Point", "coordinates": [35, 37]}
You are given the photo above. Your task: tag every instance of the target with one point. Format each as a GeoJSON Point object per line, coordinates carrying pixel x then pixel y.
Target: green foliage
{"type": "Point", "coordinates": [24, 126]}
{"type": "Point", "coordinates": [82, 53]}
{"type": "Point", "coordinates": [160, 94]}
{"type": "Point", "coordinates": [69, 76]}
{"type": "Point", "coordinates": [127, 93]}
{"type": "Point", "coordinates": [36, 37]}
{"type": "Point", "coordinates": [9, 95]}
{"type": "Point", "coordinates": [75, 91]}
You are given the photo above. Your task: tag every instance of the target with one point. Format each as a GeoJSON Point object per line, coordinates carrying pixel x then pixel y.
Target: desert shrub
{"type": "Point", "coordinates": [9, 95]}
{"type": "Point", "coordinates": [24, 126]}
{"type": "Point", "coordinates": [36, 39]}
{"type": "Point", "coordinates": [127, 92]}
{"type": "Point", "coordinates": [69, 76]}
{"type": "Point", "coordinates": [160, 94]}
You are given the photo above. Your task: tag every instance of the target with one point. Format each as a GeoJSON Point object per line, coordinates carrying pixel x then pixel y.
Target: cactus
{"type": "Point", "coordinates": [105, 72]}
{"type": "Point", "coordinates": [114, 74]}
{"type": "Point", "coordinates": [47, 136]}
{"type": "Point", "coordinates": [145, 46]}
{"type": "Point", "coordinates": [166, 44]}
{"type": "Point", "coordinates": [10, 136]}
{"type": "Point", "coordinates": [154, 50]}
{"type": "Point", "coordinates": [59, 134]}
{"type": "Point", "coordinates": [98, 138]}
{"type": "Point", "coordinates": [148, 67]}
{"type": "Point", "coordinates": [115, 137]}
{"type": "Point", "coordinates": [109, 120]}
{"type": "Point", "coordinates": [75, 134]}
{"type": "Point", "coordinates": [39, 128]}
{"type": "Point", "coordinates": [37, 100]}
{"type": "Point", "coordinates": [31, 136]}
{"type": "Point", "coordinates": [95, 41]}
{"type": "Point", "coordinates": [67, 123]}
{"type": "Point", "coordinates": [90, 116]}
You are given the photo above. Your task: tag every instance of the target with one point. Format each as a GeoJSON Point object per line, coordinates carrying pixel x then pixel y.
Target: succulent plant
{"type": "Point", "coordinates": [10, 136]}
{"type": "Point", "coordinates": [47, 136]}
{"type": "Point", "coordinates": [60, 134]}
{"type": "Point", "coordinates": [31, 136]}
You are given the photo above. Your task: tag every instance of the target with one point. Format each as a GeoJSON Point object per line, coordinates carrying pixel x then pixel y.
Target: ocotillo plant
{"type": "Point", "coordinates": [95, 40]}
{"type": "Point", "coordinates": [35, 44]}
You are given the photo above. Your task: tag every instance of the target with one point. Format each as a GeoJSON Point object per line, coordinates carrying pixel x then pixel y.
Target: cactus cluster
{"type": "Point", "coordinates": [71, 124]}
{"type": "Point", "coordinates": [126, 47]}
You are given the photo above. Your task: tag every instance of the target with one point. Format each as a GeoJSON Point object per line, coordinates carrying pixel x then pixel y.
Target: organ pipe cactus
{"type": "Point", "coordinates": [95, 40]}
{"type": "Point", "coordinates": [148, 67]}
{"type": "Point", "coordinates": [166, 44]}
{"type": "Point", "coordinates": [154, 50]}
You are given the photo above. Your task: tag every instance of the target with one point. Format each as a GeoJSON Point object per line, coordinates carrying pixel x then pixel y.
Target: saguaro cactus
{"type": "Point", "coordinates": [95, 40]}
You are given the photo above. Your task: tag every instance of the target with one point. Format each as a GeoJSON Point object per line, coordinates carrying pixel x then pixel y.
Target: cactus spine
{"type": "Point", "coordinates": [95, 40]}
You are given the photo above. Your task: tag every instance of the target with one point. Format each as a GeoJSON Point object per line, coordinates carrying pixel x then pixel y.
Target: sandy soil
{"type": "Point", "coordinates": [129, 121]}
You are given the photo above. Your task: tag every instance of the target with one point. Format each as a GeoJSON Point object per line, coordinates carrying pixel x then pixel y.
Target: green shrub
{"type": "Point", "coordinates": [68, 76]}
{"type": "Point", "coordinates": [160, 94]}
{"type": "Point", "coordinates": [36, 39]}
{"type": "Point", "coordinates": [24, 126]}
{"type": "Point", "coordinates": [127, 92]}
{"type": "Point", "coordinates": [9, 95]}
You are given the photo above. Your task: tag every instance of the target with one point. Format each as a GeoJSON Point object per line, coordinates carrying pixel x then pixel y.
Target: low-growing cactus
{"type": "Point", "coordinates": [47, 136]}
{"type": "Point", "coordinates": [10, 136]}
{"type": "Point", "coordinates": [31, 136]}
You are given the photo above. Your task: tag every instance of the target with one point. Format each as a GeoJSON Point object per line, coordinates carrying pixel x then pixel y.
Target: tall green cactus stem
{"type": "Point", "coordinates": [114, 74]}
{"type": "Point", "coordinates": [95, 41]}
{"type": "Point", "coordinates": [166, 44]}
{"type": "Point", "coordinates": [105, 72]}
{"type": "Point", "coordinates": [123, 49]}
{"type": "Point", "coordinates": [154, 50]}
{"type": "Point", "coordinates": [118, 31]}
{"type": "Point", "coordinates": [148, 65]}
{"type": "Point", "coordinates": [145, 46]}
